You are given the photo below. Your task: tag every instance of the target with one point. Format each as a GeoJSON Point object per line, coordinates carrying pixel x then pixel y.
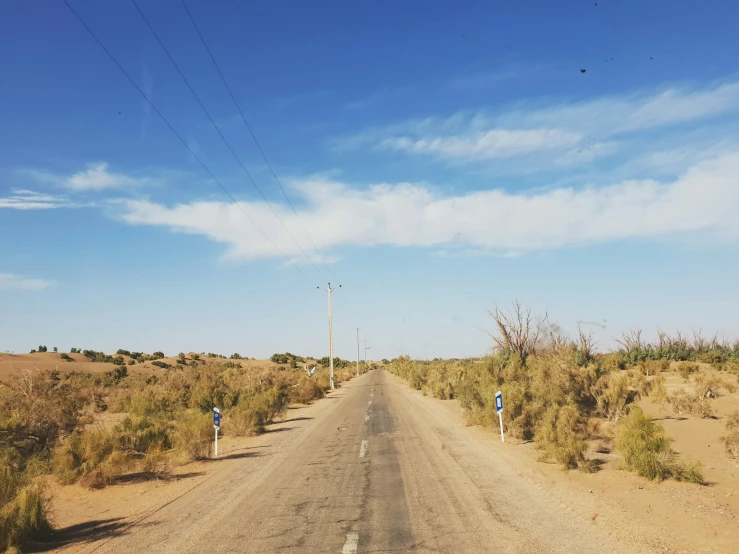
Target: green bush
{"type": "Point", "coordinates": [66, 357]}
{"type": "Point", "coordinates": [646, 451]}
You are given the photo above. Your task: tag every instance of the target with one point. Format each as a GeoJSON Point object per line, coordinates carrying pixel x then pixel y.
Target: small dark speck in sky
{"type": "Point", "coordinates": [583, 70]}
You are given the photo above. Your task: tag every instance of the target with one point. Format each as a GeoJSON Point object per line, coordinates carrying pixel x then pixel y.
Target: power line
{"type": "Point", "coordinates": [261, 150]}
{"type": "Point", "coordinates": [233, 152]}
{"type": "Point", "coordinates": [184, 143]}
{"type": "Point", "coordinates": [253, 136]}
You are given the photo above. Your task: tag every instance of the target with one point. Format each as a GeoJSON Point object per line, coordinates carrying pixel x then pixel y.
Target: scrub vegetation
{"type": "Point", "coordinates": [96, 429]}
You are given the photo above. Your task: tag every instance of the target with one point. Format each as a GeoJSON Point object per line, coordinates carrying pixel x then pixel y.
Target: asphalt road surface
{"type": "Point", "coordinates": [378, 468]}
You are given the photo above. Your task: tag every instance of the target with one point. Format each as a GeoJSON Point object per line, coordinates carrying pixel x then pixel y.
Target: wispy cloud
{"type": "Point", "coordinates": [495, 143]}
{"type": "Point", "coordinates": [31, 200]}
{"type": "Point", "coordinates": [10, 281]}
{"type": "Point", "coordinates": [578, 132]}
{"type": "Point", "coordinates": [96, 177]}
{"type": "Point", "coordinates": [704, 199]}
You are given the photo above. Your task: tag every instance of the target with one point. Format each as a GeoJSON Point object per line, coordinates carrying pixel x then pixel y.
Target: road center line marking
{"type": "Point", "coordinates": [362, 453]}
{"type": "Point", "coordinates": [350, 546]}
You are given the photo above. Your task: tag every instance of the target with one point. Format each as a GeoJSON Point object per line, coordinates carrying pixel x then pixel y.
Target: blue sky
{"type": "Point", "coordinates": [443, 158]}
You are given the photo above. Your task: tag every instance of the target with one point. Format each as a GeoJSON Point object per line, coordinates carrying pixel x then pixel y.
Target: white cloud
{"type": "Point", "coordinates": [30, 200]}
{"type": "Point", "coordinates": [9, 281]}
{"type": "Point", "coordinates": [705, 198]}
{"type": "Point", "coordinates": [97, 177]}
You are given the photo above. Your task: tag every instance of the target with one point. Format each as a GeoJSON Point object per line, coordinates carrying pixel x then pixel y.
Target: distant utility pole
{"type": "Point", "coordinates": [365, 354]}
{"type": "Point", "coordinates": [330, 336]}
{"type": "Point", "coordinates": [357, 351]}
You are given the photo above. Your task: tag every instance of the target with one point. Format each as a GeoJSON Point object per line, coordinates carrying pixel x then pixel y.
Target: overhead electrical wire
{"type": "Point", "coordinates": [253, 136]}
{"type": "Point", "coordinates": [179, 137]}
{"type": "Point", "coordinates": [218, 130]}
{"type": "Point", "coordinates": [261, 150]}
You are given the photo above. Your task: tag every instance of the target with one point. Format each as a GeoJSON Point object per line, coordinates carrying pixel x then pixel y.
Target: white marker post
{"type": "Point", "coordinates": [499, 409]}
{"type": "Point", "coordinates": [216, 425]}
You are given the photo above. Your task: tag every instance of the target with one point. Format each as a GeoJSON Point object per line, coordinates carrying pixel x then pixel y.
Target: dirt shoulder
{"type": "Point", "coordinates": [663, 517]}
{"type": "Point", "coordinates": [84, 518]}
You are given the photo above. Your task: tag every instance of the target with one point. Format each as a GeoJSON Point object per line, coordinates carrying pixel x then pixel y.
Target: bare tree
{"type": "Point", "coordinates": [517, 331]}
{"type": "Point", "coordinates": [631, 340]}
{"type": "Point", "coordinates": [586, 342]}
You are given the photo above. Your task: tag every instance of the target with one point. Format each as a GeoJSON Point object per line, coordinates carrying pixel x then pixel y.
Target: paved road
{"type": "Point", "coordinates": [378, 469]}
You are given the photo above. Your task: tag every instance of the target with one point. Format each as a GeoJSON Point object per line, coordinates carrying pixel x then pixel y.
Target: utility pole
{"type": "Point", "coordinates": [330, 337]}
{"type": "Point", "coordinates": [365, 354]}
{"type": "Point", "coordinates": [357, 351]}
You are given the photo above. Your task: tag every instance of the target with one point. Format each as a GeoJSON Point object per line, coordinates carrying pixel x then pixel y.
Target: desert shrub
{"type": "Point", "coordinates": [195, 356]}
{"type": "Point", "coordinates": [614, 395]}
{"type": "Point", "coordinates": [23, 517]}
{"type": "Point", "coordinates": [42, 349]}
{"type": "Point", "coordinates": [132, 362]}
{"type": "Point", "coordinates": [305, 390]}
{"type": "Point", "coordinates": [155, 460]}
{"type": "Point", "coordinates": [646, 450]}
{"type": "Point", "coordinates": [122, 352]}
{"type": "Point", "coordinates": [731, 439]}
{"type": "Point", "coordinates": [157, 355]}
{"type": "Point", "coordinates": [66, 357]}
{"type": "Point", "coordinates": [193, 434]}
{"type": "Point", "coordinates": [686, 369]}
{"type": "Point", "coordinates": [23, 505]}
{"type": "Point", "coordinates": [561, 436]}
{"type": "Point", "coordinates": [56, 349]}
{"type": "Point", "coordinates": [90, 456]}
{"type": "Point", "coordinates": [235, 356]}
{"type": "Point", "coordinates": [140, 434]}
{"type": "Point", "coordinates": [181, 358]}
{"type": "Point", "coordinates": [74, 350]}
{"type": "Point", "coordinates": [163, 365]}
{"type": "Point", "coordinates": [35, 409]}
{"type": "Point", "coordinates": [658, 390]}
{"type": "Point", "coordinates": [684, 402]}
{"type": "Point", "coordinates": [119, 373]}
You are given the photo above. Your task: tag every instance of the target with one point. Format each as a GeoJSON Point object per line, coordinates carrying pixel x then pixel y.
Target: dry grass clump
{"type": "Point", "coordinates": [731, 439]}
{"type": "Point", "coordinates": [646, 451]}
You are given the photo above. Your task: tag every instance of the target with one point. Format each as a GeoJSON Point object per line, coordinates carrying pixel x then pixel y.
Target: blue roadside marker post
{"type": "Point", "coordinates": [499, 409]}
{"type": "Point", "coordinates": [216, 425]}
